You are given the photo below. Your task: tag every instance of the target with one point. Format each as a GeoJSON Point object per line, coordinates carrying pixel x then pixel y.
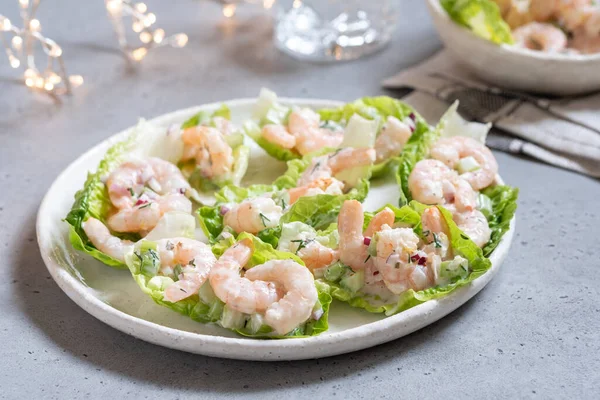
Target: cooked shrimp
{"type": "Point", "coordinates": [303, 124]}
{"type": "Point", "coordinates": [353, 244]}
{"type": "Point", "coordinates": [390, 142]}
{"type": "Point", "coordinates": [213, 153]}
{"type": "Point", "coordinates": [585, 44]}
{"type": "Point", "coordinates": [329, 165]}
{"type": "Point", "coordinates": [237, 292]}
{"type": "Point", "coordinates": [296, 305]}
{"type": "Point", "coordinates": [543, 10]}
{"type": "Point", "coordinates": [383, 217]}
{"type": "Point", "coordinates": [435, 230]}
{"type": "Point", "coordinates": [432, 182]}
{"type": "Point", "coordinates": [517, 16]}
{"type": "Point", "coordinates": [504, 6]}
{"type": "Point", "coordinates": [253, 215]}
{"type": "Point", "coordinates": [473, 223]}
{"type": "Point", "coordinates": [279, 135]}
{"type": "Point", "coordinates": [541, 37]}
{"type": "Point", "coordinates": [142, 191]}
{"type": "Point", "coordinates": [104, 241]}
{"type": "Point", "coordinates": [315, 255]}
{"type": "Point", "coordinates": [223, 125]}
{"type": "Point", "coordinates": [128, 182]}
{"type": "Point", "coordinates": [353, 251]}
{"type": "Point", "coordinates": [451, 150]}
{"type": "Point", "coordinates": [318, 186]}
{"type": "Point", "coordinates": [195, 260]}
{"type": "Point", "coordinates": [398, 261]}
{"type": "Point", "coordinates": [574, 14]}
{"type": "Point", "coordinates": [144, 216]}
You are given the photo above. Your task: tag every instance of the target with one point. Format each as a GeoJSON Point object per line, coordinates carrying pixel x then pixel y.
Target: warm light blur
{"type": "Point", "coordinates": [229, 10]}
{"type": "Point", "coordinates": [17, 42]}
{"type": "Point", "coordinates": [139, 53]}
{"type": "Point", "coordinates": [181, 39]}
{"type": "Point", "coordinates": [159, 35]}
{"type": "Point", "coordinates": [35, 25]}
{"type": "Point", "coordinates": [141, 7]}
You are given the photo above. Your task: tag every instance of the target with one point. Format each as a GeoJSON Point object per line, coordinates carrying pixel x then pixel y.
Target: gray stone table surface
{"type": "Point", "coordinates": [533, 332]}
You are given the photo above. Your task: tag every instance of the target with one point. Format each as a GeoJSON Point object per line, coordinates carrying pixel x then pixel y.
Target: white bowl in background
{"type": "Point", "coordinates": [515, 68]}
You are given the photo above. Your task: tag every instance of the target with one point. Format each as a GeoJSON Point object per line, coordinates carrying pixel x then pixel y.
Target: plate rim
{"type": "Point", "coordinates": [324, 345]}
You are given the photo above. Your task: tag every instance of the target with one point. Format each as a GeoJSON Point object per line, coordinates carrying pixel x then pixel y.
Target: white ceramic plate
{"type": "Point", "coordinates": [513, 68]}
{"type": "Point", "coordinates": [114, 298]}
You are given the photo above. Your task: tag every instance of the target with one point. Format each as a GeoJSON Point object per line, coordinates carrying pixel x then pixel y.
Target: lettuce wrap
{"type": "Point", "coordinates": [145, 140]}
{"type": "Point", "coordinates": [497, 202]}
{"type": "Point", "coordinates": [205, 307]}
{"type": "Point", "coordinates": [241, 153]}
{"type": "Point", "coordinates": [349, 286]}
{"type": "Point", "coordinates": [318, 211]}
{"type": "Point", "coordinates": [379, 109]}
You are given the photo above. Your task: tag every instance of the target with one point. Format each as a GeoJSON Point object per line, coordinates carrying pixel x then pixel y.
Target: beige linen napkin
{"type": "Point", "coordinates": [564, 132]}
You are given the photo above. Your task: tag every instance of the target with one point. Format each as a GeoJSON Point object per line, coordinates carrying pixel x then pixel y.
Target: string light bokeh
{"type": "Point", "coordinates": [142, 23]}
{"type": "Point", "coordinates": [20, 51]}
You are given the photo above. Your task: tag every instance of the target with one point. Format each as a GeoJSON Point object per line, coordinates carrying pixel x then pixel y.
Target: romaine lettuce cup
{"type": "Point", "coordinates": [145, 140]}
{"type": "Point", "coordinates": [497, 202]}
{"type": "Point", "coordinates": [205, 306]}
{"type": "Point", "coordinates": [378, 109]}
{"type": "Point", "coordinates": [235, 140]}
{"type": "Point", "coordinates": [467, 264]}
{"type": "Point", "coordinates": [317, 211]}
{"type": "Point", "coordinates": [268, 110]}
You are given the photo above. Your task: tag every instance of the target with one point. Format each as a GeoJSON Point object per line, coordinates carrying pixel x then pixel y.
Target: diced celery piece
{"type": "Point", "coordinates": [467, 164]}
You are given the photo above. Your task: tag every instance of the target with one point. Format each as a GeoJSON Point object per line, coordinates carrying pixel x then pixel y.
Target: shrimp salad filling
{"type": "Point", "coordinates": [267, 260]}
{"type": "Point", "coordinates": [388, 261]}
{"type": "Point", "coordinates": [250, 288]}
{"type": "Point", "coordinates": [553, 26]}
{"type": "Point", "coordinates": [288, 133]}
{"type": "Point", "coordinates": [312, 190]}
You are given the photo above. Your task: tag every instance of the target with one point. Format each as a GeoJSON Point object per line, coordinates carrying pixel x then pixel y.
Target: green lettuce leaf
{"type": "Point", "coordinates": [253, 130]}
{"type": "Point", "coordinates": [504, 206]}
{"type": "Point", "coordinates": [205, 307]}
{"type": "Point", "coordinates": [204, 117]}
{"type": "Point", "coordinates": [268, 110]}
{"type": "Point", "coordinates": [146, 139]}
{"type": "Point", "coordinates": [415, 150]}
{"type": "Point", "coordinates": [92, 201]}
{"type": "Point", "coordinates": [480, 16]}
{"type": "Point", "coordinates": [410, 216]}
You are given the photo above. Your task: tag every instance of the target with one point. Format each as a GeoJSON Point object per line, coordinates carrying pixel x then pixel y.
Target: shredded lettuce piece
{"type": "Point", "coordinates": [504, 206]}
{"type": "Point", "coordinates": [480, 16]}
{"type": "Point", "coordinates": [410, 215]}
{"type": "Point", "coordinates": [205, 307]}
